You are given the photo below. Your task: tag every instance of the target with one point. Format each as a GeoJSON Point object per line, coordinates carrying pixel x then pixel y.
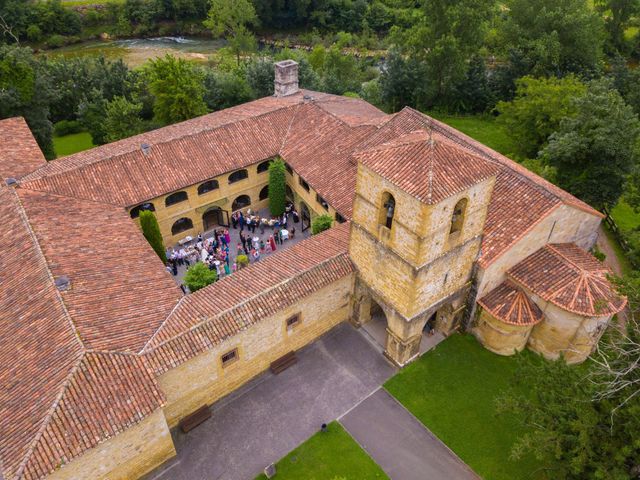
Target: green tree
{"type": "Point", "coordinates": [224, 90]}
{"type": "Point", "coordinates": [554, 37]}
{"type": "Point", "coordinates": [178, 89]}
{"type": "Point", "coordinates": [617, 14]}
{"type": "Point", "coordinates": [277, 187]}
{"type": "Point", "coordinates": [199, 276]}
{"type": "Point", "coordinates": [321, 223]}
{"type": "Point", "coordinates": [537, 110]}
{"type": "Point", "coordinates": [596, 149]}
{"type": "Point", "coordinates": [231, 18]}
{"type": "Point", "coordinates": [151, 231]}
{"type": "Point", "coordinates": [447, 35]}
{"type": "Point", "coordinates": [122, 119]}
{"type": "Point", "coordinates": [259, 74]}
{"type": "Point", "coordinates": [584, 421]}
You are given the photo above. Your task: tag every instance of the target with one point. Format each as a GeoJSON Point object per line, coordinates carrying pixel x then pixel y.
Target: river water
{"type": "Point", "coordinates": [136, 51]}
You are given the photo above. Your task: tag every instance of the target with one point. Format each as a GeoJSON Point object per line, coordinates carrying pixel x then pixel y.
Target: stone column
{"type": "Point", "coordinates": [360, 305]}
{"type": "Point", "coordinates": [404, 337]}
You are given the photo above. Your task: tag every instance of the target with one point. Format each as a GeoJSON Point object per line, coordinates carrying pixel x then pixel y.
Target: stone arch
{"type": "Point", "coordinates": [242, 201]}
{"type": "Point", "coordinates": [135, 211]}
{"type": "Point", "coordinates": [212, 218]}
{"type": "Point", "coordinates": [264, 193]}
{"type": "Point", "coordinates": [305, 216]}
{"type": "Point", "coordinates": [387, 210]}
{"type": "Point", "coordinates": [181, 225]}
{"type": "Point", "coordinates": [458, 216]}
{"type": "Point", "coordinates": [289, 193]}
{"type": "Point", "coordinates": [175, 197]}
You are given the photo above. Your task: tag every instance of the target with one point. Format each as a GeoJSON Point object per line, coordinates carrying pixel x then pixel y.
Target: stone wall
{"type": "Point", "coordinates": [500, 337]}
{"type": "Point", "coordinates": [564, 224]}
{"type": "Point", "coordinates": [126, 456]}
{"type": "Point", "coordinates": [203, 379]}
{"type": "Point", "coordinates": [566, 333]}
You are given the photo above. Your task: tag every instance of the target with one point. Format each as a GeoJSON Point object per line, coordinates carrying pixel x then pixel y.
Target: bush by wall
{"type": "Point", "coordinates": [151, 231]}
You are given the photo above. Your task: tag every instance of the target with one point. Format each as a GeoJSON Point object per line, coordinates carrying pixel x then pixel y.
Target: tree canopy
{"type": "Point", "coordinates": [199, 276]}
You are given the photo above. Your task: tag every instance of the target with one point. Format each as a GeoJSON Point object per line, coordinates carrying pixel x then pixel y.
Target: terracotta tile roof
{"type": "Point", "coordinates": [19, 151]}
{"type": "Point", "coordinates": [510, 304]}
{"type": "Point", "coordinates": [105, 394]}
{"type": "Point", "coordinates": [570, 278]}
{"type": "Point", "coordinates": [427, 165]}
{"type": "Point", "coordinates": [127, 179]}
{"type": "Point", "coordinates": [120, 291]}
{"type": "Point", "coordinates": [318, 146]}
{"type": "Point", "coordinates": [209, 316]}
{"type": "Point", "coordinates": [56, 399]}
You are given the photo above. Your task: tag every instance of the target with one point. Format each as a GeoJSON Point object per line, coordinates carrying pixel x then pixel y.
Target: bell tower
{"type": "Point", "coordinates": [418, 215]}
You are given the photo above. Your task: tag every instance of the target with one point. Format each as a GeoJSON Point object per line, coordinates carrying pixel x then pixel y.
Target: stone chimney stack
{"type": "Point", "coordinates": [286, 80]}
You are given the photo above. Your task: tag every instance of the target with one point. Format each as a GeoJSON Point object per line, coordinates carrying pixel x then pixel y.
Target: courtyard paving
{"type": "Point", "coordinates": [272, 415]}
{"type": "Point", "coordinates": [400, 444]}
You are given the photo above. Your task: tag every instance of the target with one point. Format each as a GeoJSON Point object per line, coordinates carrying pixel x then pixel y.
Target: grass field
{"type": "Point", "coordinates": [625, 217]}
{"type": "Point", "coordinates": [327, 456]}
{"type": "Point", "coordinates": [452, 390]}
{"type": "Point", "coordinates": [481, 128]}
{"type": "Point", "coordinates": [75, 142]}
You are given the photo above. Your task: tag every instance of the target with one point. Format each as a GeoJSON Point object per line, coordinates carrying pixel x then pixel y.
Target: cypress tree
{"type": "Point", "coordinates": [151, 231]}
{"type": "Point", "coordinates": [277, 187]}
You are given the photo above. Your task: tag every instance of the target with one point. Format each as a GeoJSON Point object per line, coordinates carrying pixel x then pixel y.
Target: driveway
{"type": "Point", "coordinates": [400, 444]}
{"type": "Point", "coordinates": [272, 415]}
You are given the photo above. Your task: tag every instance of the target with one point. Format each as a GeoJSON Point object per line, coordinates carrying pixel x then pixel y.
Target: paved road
{"type": "Point", "coordinates": [274, 414]}
{"type": "Point", "coordinates": [400, 444]}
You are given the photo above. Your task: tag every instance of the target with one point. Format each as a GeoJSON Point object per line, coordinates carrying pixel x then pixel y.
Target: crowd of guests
{"type": "Point", "coordinates": [220, 255]}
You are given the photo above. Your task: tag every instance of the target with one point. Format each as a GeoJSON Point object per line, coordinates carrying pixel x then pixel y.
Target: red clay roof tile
{"type": "Point", "coordinates": [19, 151]}
{"type": "Point", "coordinates": [510, 304]}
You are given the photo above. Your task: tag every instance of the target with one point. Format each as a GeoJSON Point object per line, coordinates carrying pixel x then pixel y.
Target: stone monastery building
{"type": "Point", "coordinates": [101, 352]}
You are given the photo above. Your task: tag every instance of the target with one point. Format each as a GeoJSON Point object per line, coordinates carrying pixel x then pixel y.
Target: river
{"type": "Point", "coordinates": [136, 51]}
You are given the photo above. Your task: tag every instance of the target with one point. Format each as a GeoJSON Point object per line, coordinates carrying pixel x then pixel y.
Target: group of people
{"type": "Point", "coordinates": [216, 251]}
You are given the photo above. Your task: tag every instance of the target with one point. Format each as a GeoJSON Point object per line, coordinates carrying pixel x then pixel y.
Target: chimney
{"type": "Point", "coordinates": [286, 81]}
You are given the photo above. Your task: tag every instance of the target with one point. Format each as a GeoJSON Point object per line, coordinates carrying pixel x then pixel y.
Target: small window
{"type": "Point", "coordinates": [264, 166]}
{"type": "Point", "coordinates": [175, 198]}
{"type": "Point", "coordinates": [229, 357]}
{"type": "Point", "coordinates": [322, 202]}
{"type": "Point", "coordinates": [457, 218]}
{"type": "Point", "coordinates": [208, 186]}
{"type": "Point", "coordinates": [289, 169]}
{"type": "Point", "coordinates": [293, 321]}
{"type": "Point", "coordinates": [181, 225]}
{"type": "Point", "coordinates": [289, 193]}
{"type": "Point", "coordinates": [387, 210]}
{"type": "Point", "coordinates": [264, 193]}
{"type": "Point", "coordinates": [135, 211]}
{"type": "Point", "coordinates": [238, 175]}
{"type": "Point", "coordinates": [339, 218]}
{"type": "Point", "coordinates": [303, 184]}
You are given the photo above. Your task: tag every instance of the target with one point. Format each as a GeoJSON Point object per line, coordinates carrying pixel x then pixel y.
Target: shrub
{"type": "Point", "coordinates": [321, 223]}
{"type": "Point", "coordinates": [34, 34]}
{"type": "Point", "coordinates": [277, 187]}
{"type": "Point", "coordinates": [151, 231]}
{"type": "Point", "coordinates": [66, 127]}
{"type": "Point", "coordinates": [56, 41]}
{"type": "Point", "coordinates": [242, 261]}
{"type": "Point", "coordinates": [199, 276]}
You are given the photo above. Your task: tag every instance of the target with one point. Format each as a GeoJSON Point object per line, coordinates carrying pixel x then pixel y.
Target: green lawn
{"type": "Point", "coordinates": [481, 128]}
{"type": "Point", "coordinates": [624, 216]}
{"type": "Point", "coordinates": [68, 144]}
{"type": "Point", "coordinates": [327, 456]}
{"type": "Point", "coordinates": [452, 390]}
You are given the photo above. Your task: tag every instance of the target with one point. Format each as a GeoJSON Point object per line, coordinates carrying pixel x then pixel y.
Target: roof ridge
{"type": "Point", "coordinates": [27, 178]}
{"type": "Point", "coordinates": [244, 302]}
{"type": "Point", "coordinates": [164, 322]}
{"type": "Point", "coordinates": [29, 188]}
{"type": "Point", "coordinates": [25, 219]}
{"type": "Point", "coordinates": [47, 418]}
{"type": "Point", "coordinates": [286, 135]}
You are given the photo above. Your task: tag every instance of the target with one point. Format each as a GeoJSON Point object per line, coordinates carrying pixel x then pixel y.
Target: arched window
{"type": "Point", "coordinates": [322, 202]}
{"type": "Point", "coordinates": [339, 218]}
{"type": "Point", "coordinates": [264, 166]}
{"type": "Point", "coordinates": [387, 210]}
{"type": "Point", "coordinates": [289, 193]}
{"type": "Point", "coordinates": [264, 193]}
{"type": "Point", "coordinates": [303, 184]}
{"type": "Point", "coordinates": [238, 175]}
{"type": "Point", "coordinates": [181, 225]}
{"type": "Point", "coordinates": [457, 218]}
{"type": "Point", "coordinates": [241, 202]}
{"type": "Point", "coordinates": [175, 198]}
{"type": "Point", "coordinates": [135, 211]}
{"type": "Point", "coordinates": [289, 169]}
{"type": "Point", "coordinates": [207, 186]}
